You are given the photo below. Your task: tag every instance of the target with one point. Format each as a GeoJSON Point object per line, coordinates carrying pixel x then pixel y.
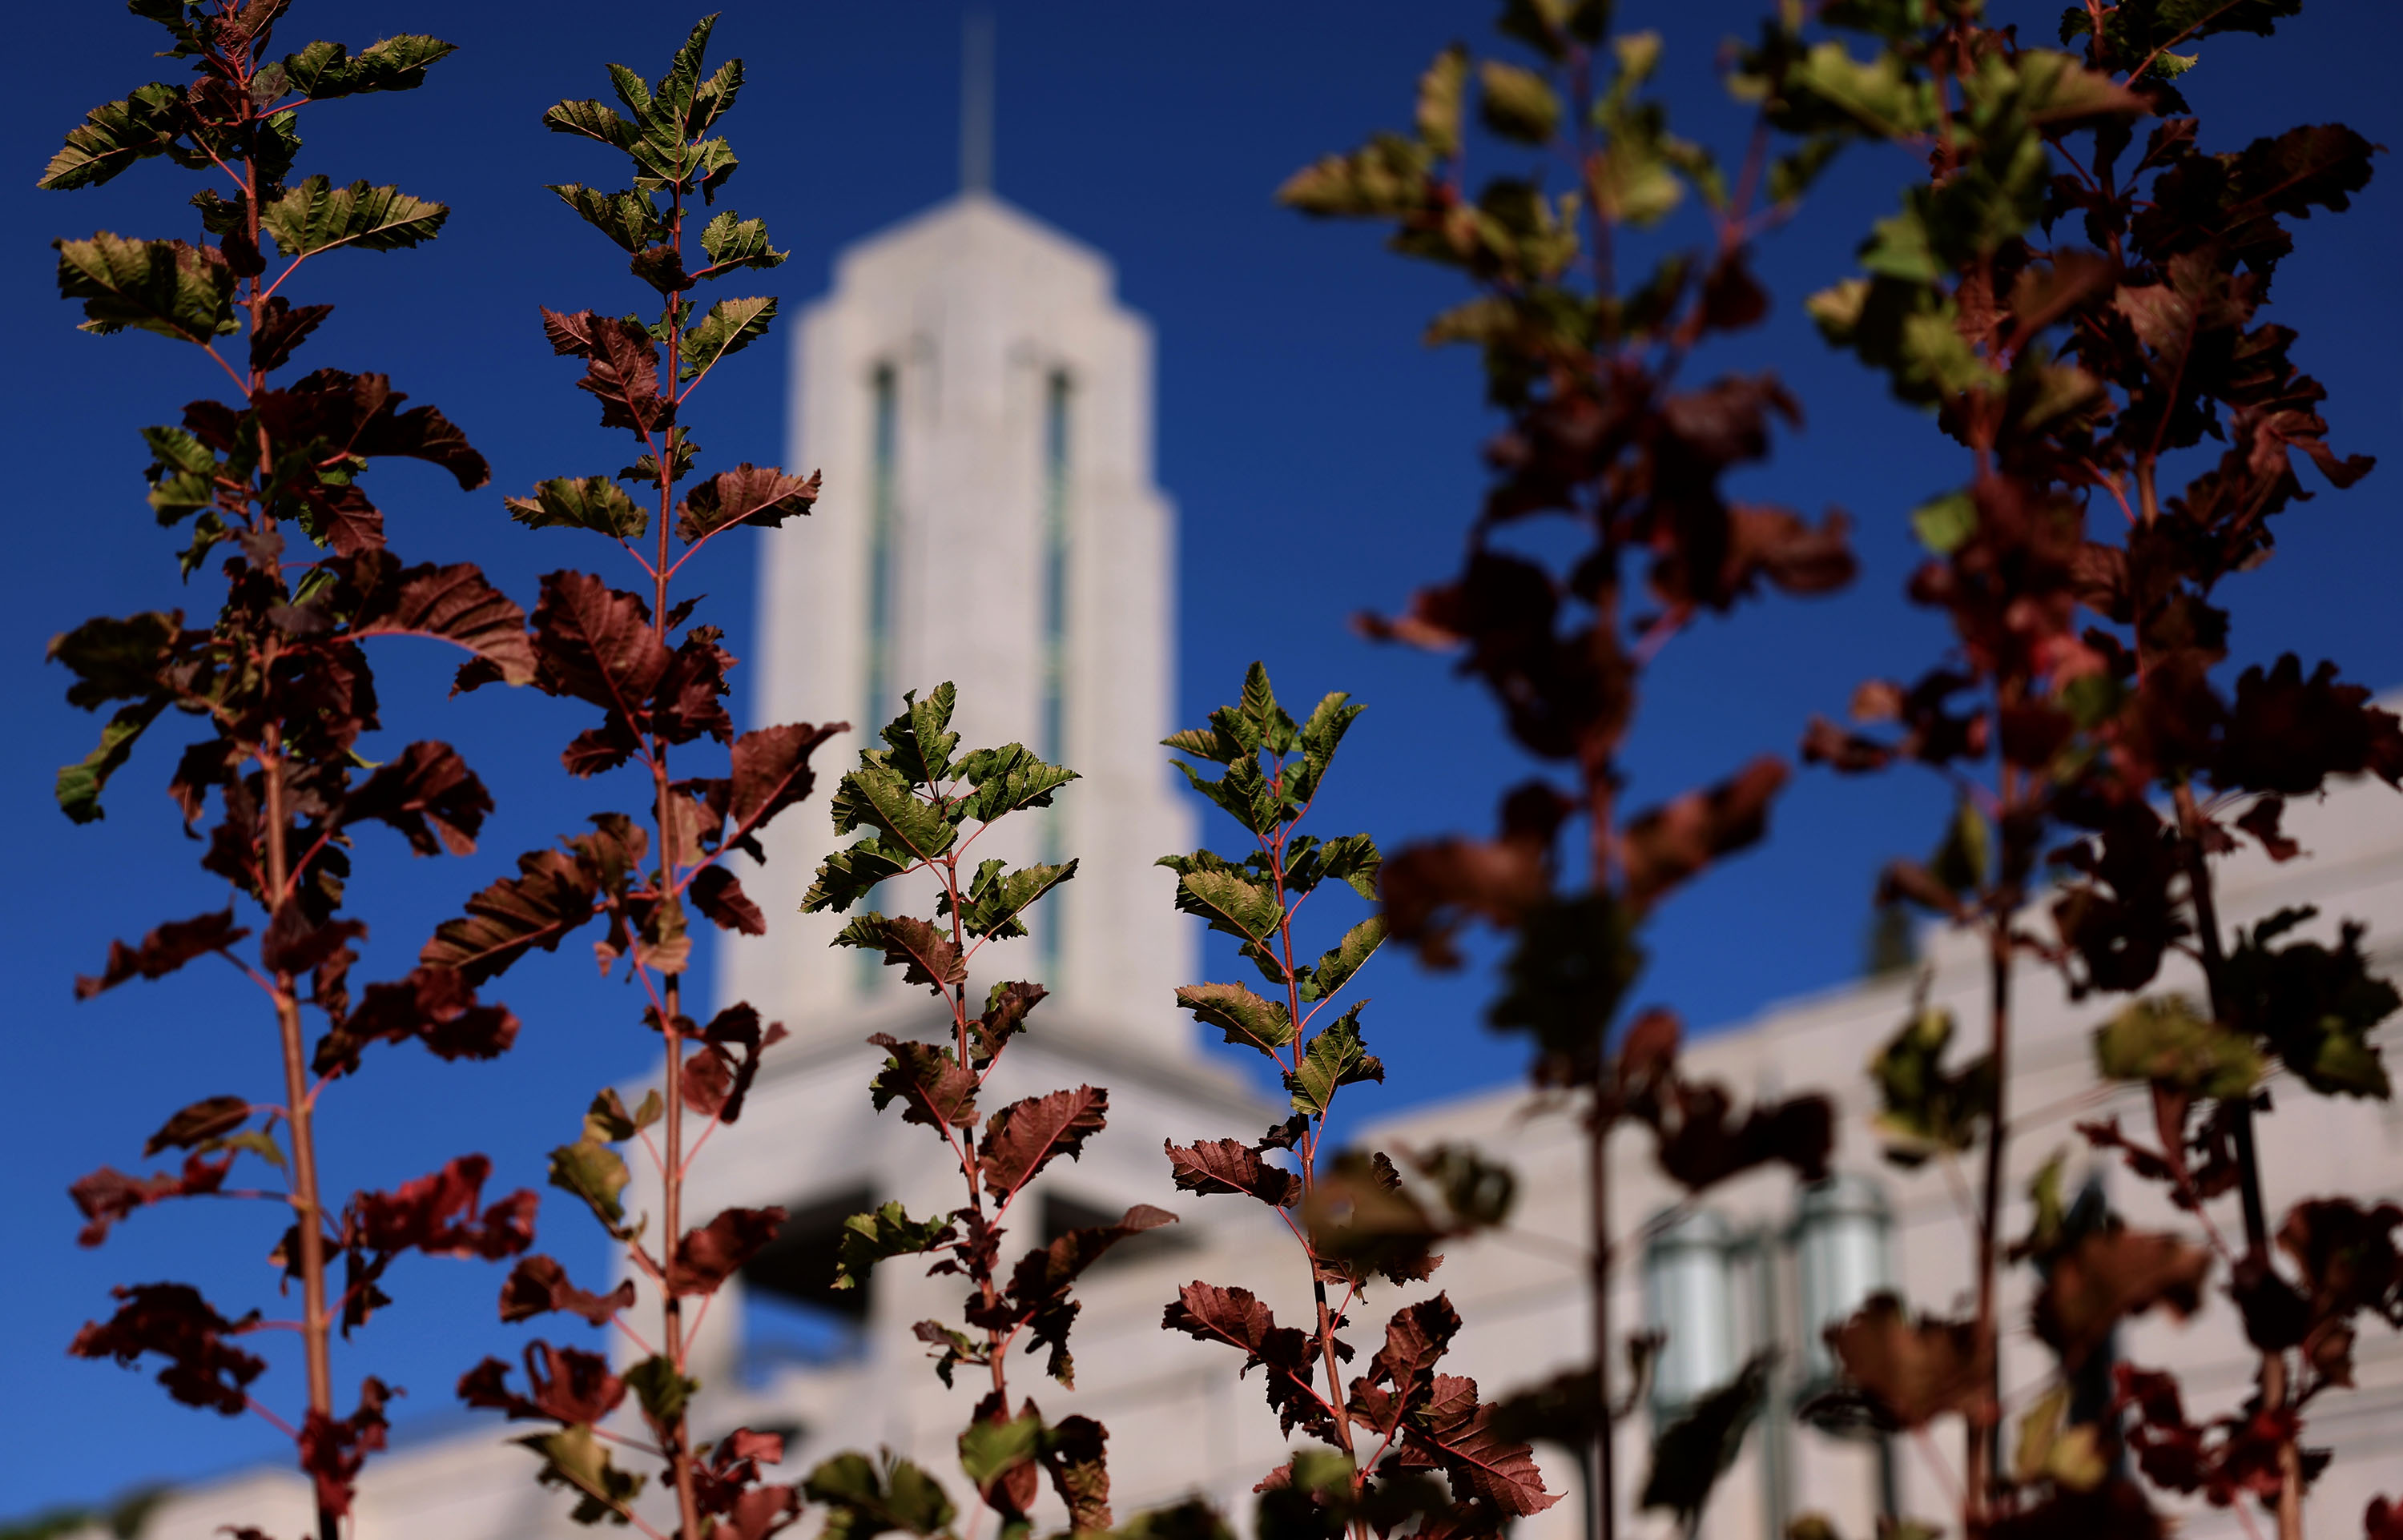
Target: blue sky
{"type": "Point", "coordinates": [1324, 463]}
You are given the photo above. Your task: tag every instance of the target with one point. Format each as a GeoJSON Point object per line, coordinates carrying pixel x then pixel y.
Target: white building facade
{"type": "Point", "coordinates": [982, 407]}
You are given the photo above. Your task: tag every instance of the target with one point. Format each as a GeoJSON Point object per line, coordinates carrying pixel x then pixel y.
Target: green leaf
{"type": "Point", "coordinates": [876, 794]}
{"type": "Point", "coordinates": [116, 134]}
{"type": "Point", "coordinates": [1516, 103]}
{"type": "Point", "coordinates": [593, 1172]}
{"type": "Point", "coordinates": [182, 474]}
{"type": "Point", "coordinates": [1390, 176]}
{"type": "Point", "coordinates": [995, 902]}
{"type": "Point", "coordinates": [861, 1500]}
{"type": "Point", "coordinates": [1230, 904]}
{"type": "Point", "coordinates": [2313, 1006]}
{"type": "Point", "coordinates": [731, 242]}
{"type": "Point", "coordinates": [2167, 1040]}
{"type": "Point", "coordinates": [574, 1457]}
{"type": "Point", "coordinates": [989, 1450]}
{"type": "Point", "coordinates": [870, 1238]}
{"type": "Point", "coordinates": [1007, 779]}
{"type": "Point", "coordinates": [1335, 969]}
{"type": "Point", "coordinates": [922, 740]}
{"type": "Point", "coordinates": [1945, 525]}
{"type": "Point", "coordinates": [1336, 1058]}
{"type": "Point", "coordinates": [587, 503]}
{"type": "Point", "coordinates": [1264, 723]}
{"type": "Point", "coordinates": [1440, 94]}
{"type": "Point", "coordinates": [594, 120]}
{"type": "Point", "coordinates": [1963, 861]}
{"type": "Point", "coordinates": [664, 1393]}
{"type": "Point", "coordinates": [850, 875]}
{"type": "Point", "coordinates": [1350, 858]}
{"type": "Point", "coordinates": [323, 71]}
{"type": "Point", "coordinates": [1928, 1109]}
{"type": "Point", "coordinates": [725, 328]}
{"type": "Point", "coordinates": [628, 218]}
{"type": "Point", "coordinates": [316, 216]}
{"type": "Point", "coordinates": [1246, 1018]}
{"type": "Point", "coordinates": [79, 785]}
{"type": "Point", "coordinates": [169, 287]}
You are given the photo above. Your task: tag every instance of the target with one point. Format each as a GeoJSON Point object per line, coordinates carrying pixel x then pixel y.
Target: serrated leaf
{"type": "Point", "coordinates": [2167, 1040]}
{"type": "Point", "coordinates": [848, 876]}
{"type": "Point", "coordinates": [1230, 904]}
{"type": "Point", "coordinates": [1350, 858]}
{"type": "Point", "coordinates": [1007, 779]}
{"type": "Point", "coordinates": [996, 901]}
{"type": "Point", "coordinates": [911, 943]}
{"type": "Point", "coordinates": [762, 496]}
{"type": "Point", "coordinates": [1246, 1018]}
{"type": "Point", "coordinates": [870, 1238]}
{"type": "Point", "coordinates": [863, 1501]}
{"type": "Point", "coordinates": [323, 71]}
{"type": "Point", "coordinates": [1335, 968]}
{"type": "Point", "coordinates": [731, 242]}
{"type": "Point", "coordinates": [1336, 1058]}
{"type": "Point", "coordinates": [628, 218]}
{"type": "Point", "coordinates": [169, 287]}
{"type": "Point", "coordinates": [316, 216]}
{"type": "Point", "coordinates": [1439, 97]}
{"type": "Point", "coordinates": [116, 134]}
{"type": "Point", "coordinates": [1516, 102]}
{"type": "Point", "coordinates": [587, 503]}
{"type": "Point", "coordinates": [920, 737]}
{"type": "Point", "coordinates": [594, 1172]}
{"type": "Point", "coordinates": [725, 328]}
{"type": "Point", "coordinates": [877, 796]}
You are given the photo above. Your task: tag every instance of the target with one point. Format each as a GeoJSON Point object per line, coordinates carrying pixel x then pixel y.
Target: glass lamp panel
{"type": "Point", "coordinates": [1841, 1255]}
{"type": "Point", "coordinates": [1689, 1298]}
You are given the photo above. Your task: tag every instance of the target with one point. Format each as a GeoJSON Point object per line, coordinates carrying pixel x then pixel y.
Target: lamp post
{"type": "Point", "coordinates": [1841, 1255]}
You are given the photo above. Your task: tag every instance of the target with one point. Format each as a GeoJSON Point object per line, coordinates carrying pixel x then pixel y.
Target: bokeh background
{"type": "Point", "coordinates": [1325, 462]}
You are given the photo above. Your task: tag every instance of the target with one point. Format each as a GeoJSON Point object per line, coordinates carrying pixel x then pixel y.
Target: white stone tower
{"type": "Point", "coordinates": [981, 406]}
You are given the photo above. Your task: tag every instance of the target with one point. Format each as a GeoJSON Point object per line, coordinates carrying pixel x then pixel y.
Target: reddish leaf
{"type": "Point", "coordinates": [436, 1214]}
{"type": "Point", "coordinates": [451, 604]}
{"type": "Point", "coordinates": [1456, 1432]}
{"type": "Point", "coordinates": [2289, 734]}
{"type": "Point", "coordinates": [293, 945]}
{"type": "Point", "coordinates": [333, 1451]}
{"type": "Point", "coordinates": [717, 894]}
{"type": "Point", "coordinates": [538, 1284]}
{"type": "Point", "coordinates": [562, 1384]}
{"type": "Point", "coordinates": [1024, 1137]}
{"type": "Point", "coordinates": [595, 643]}
{"type": "Point", "coordinates": [1401, 1377]}
{"type": "Point", "coordinates": [2109, 1274]}
{"type": "Point", "coordinates": [691, 688]}
{"type": "Point", "coordinates": [709, 1256]}
{"type": "Point", "coordinates": [621, 368]}
{"type": "Point", "coordinates": [1239, 1319]}
{"type": "Point", "coordinates": [1039, 1284]}
{"type": "Point", "coordinates": [437, 1005]}
{"type": "Point", "coordinates": [771, 772]}
{"type": "Point", "coordinates": [1229, 1165]}
{"type": "Point", "coordinates": [935, 1089]}
{"type": "Point", "coordinates": [108, 1195]}
{"type": "Point", "coordinates": [716, 1078]}
{"type": "Point", "coordinates": [1663, 847]}
{"type": "Point", "coordinates": [164, 951]}
{"type": "Point", "coordinates": [428, 793]}
{"type": "Point", "coordinates": [1914, 1370]}
{"type": "Point", "coordinates": [748, 494]}
{"type": "Point", "coordinates": [172, 1321]}
{"type": "Point", "coordinates": [196, 1124]}
{"type": "Point", "coordinates": [552, 895]}
{"type": "Point", "coordinates": [1431, 890]}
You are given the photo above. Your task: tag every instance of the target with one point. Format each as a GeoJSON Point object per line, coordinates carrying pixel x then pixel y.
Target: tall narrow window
{"type": "Point", "coordinates": [877, 686]}
{"type": "Point", "coordinates": [1054, 724]}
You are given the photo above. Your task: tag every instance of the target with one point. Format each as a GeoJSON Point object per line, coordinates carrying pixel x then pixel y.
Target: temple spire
{"type": "Point", "coordinates": [976, 101]}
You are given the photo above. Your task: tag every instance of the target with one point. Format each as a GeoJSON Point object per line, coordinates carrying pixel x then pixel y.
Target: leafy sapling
{"type": "Point", "coordinates": [924, 806]}
{"type": "Point", "coordinates": [1355, 1218]}
{"type": "Point", "coordinates": [279, 682]}
{"type": "Point", "coordinates": [643, 874]}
